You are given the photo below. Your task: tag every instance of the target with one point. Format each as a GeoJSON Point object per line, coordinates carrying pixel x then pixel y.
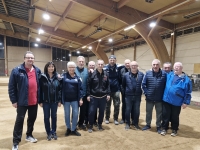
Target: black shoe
{"type": "Point", "coordinates": [82, 127]}
{"type": "Point", "coordinates": [174, 133]}
{"type": "Point", "coordinates": [49, 137]}
{"type": "Point", "coordinates": [100, 127]}
{"type": "Point", "coordinates": [137, 127]}
{"type": "Point", "coordinates": [54, 136]}
{"type": "Point", "coordinates": [68, 132]}
{"type": "Point", "coordinates": [96, 124]}
{"type": "Point", "coordinates": [75, 132]}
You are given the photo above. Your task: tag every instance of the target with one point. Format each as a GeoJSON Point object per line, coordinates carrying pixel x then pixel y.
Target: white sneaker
{"type": "Point", "coordinates": [116, 122]}
{"type": "Point", "coordinates": [15, 147]}
{"type": "Point", "coordinates": [31, 139]}
{"type": "Point", "coordinates": [107, 121]}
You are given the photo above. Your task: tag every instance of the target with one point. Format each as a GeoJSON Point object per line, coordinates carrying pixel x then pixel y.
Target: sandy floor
{"type": "Point", "coordinates": [113, 137]}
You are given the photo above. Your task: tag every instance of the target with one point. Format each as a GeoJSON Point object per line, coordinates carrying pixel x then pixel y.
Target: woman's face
{"type": "Point", "coordinates": [71, 69]}
{"type": "Point", "coordinates": [50, 68]}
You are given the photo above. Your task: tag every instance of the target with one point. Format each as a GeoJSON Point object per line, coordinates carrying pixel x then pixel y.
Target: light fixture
{"type": "Point", "coordinates": [172, 33]}
{"type": "Point", "coordinates": [70, 55]}
{"type": "Point", "coordinates": [78, 52]}
{"type": "Point", "coordinates": [70, 45]}
{"type": "Point", "coordinates": [99, 40]}
{"type": "Point", "coordinates": [83, 47]}
{"type": "Point", "coordinates": [90, 47]}
{"type": "Point", "coordinates": [129, 27]}
{"type": "Point", "coordinates": [61, 60]}
{"type": "Point", "coordinates": [110, 40]}
{"type": "Point", "coordinates": [0, 43]}
{"type": "Point", "coordinates": [50, 0]}
{"type": "Point", "coordinates": [46, 16]}
{"type": "Point", "coordinates": [152, 24]}
{"type": "Point", "coordinates": [36, 45]}
{"type": "Point", "coordinates": [40, 31]}
{"type": "Point", "coordinates": [38, 39]}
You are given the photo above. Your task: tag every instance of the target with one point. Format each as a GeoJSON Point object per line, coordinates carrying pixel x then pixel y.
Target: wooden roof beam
{"type": "Point", "coordinates": [188, 23]}
{"type": "Point", "coordinates": [153, 28]}
{"type": "Point", "coordinates": [48, 38]}
{"type": "Point", "coordinates": [121, 3]}
{"type": "Point", "coordinates": [101, 17]}
{"type": "Point", "coordinates": [64, 15]}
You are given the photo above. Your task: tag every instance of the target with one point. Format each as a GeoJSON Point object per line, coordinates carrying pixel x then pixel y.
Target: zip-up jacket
{"type": "Point", "coordinates": [153, 85]}
{"type": "Point", "coordinates": [132, 85]}
{"type": "Point", "coordinates": [50, 90]}
{"type": "Point", "coordinates": [123, 71]}
{"type": "Point", "coordinates": [178, 92]}
{"type": "Point", "coordinates": [18, 85]}
{"type": "Point", "coordinates": [98, 84]}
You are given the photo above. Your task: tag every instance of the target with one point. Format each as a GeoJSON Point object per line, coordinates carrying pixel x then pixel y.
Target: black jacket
{"type": "Point", "coordinates": [50, 91]}
{"type": "Point", "coordinates": [123, 71]}
{"type": "Point", "coordinates": [98, 84]}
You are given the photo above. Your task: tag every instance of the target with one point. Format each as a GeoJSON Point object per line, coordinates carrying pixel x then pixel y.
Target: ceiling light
{"type": "Point", "coordinates": [36, 45]}
{"type": "Point", "coordinates": [78, 52]}
{"type": "Point", "coordinates": [90, 47]}
{"type": "Point", "coordinates": [70, 45]}
{"type": "Point", "coordinates": [99, 40]}
{"type": "Point", "coordinates": [46, 16]}
{"type": "Point", "coordinates": [129, 27]}
{"type": "Point", "coordinates": [110, 40]}
{"type": "Point", "coordinates": [50, 0]}
{"type": "Point", "coordinates": [38, 39]}
{"type": "Point", "coordinates": [83, 47]}
{"type": "Point", "coordinates": [172, 33]}
{"type": "Point", "coordinates": [63, 57]}
{"type": "Point", "coordinates": [40, 31]}
{"type": "Point", "coordinates": [70, 55]}
{"type": "Point", "coordinates": [152, 24]}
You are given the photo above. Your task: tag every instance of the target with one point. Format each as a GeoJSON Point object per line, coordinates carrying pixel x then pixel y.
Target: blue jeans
{"type": "Point", "coordinates": [50, 109]}
{"type": "Point", "coordinates": [75, 111]}
{"type": "Point", "coordinates": [133, 103]}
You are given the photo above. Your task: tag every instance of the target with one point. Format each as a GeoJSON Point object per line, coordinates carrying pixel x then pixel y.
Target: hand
{"type": "Point", "coordinates": [81, 102]}
{"type": "Point", "coordinates": [14, 105]}
{"type": "Point", "coordinates": [91, 70]}
{"type": "Point", "coordinates": [41, 105]}
{"type": "Point", "coordinates": [88, 98]}
{"type": "Point", "coordinates": [108, 98]}
{"type": "Point", "coordinates": [184, 106]}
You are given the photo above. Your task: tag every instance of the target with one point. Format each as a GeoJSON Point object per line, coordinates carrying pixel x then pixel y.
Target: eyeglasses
{"type": "Point", "coordinates": [29, 57]}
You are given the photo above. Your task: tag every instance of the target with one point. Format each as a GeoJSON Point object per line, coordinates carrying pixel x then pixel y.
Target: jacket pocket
{"type": "Point", "coordinates": [179, 95]}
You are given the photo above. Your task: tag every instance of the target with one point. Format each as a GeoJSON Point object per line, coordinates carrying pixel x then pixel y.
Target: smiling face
{"type": "Point", "coordinates": [81, 62]}
{"type": "Point", "coordinates": [91, 65]}
{"type": "Point", "coordinates": [178, 68]}
{"type": "Point", "coordinates": [100, 64]}
{"type": "Point", "coordinates": [112, 61]}
{"type": "Point", "coordinates": [134, 66]}
{"type": "Point", "coordinates": [167, 67]}
{"type": "Point", "coordinates": [127, 63]}
{"type": "Point", "coordinates": [50, 69]}
{"type": "Point", "coordinates": [29, 59]}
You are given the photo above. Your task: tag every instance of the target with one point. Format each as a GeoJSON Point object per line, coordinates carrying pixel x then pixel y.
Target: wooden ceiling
{"type": "Point", "coordinates": [77, 23]}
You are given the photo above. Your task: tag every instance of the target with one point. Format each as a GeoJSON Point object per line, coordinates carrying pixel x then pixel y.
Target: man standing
{"type": "Point", "coordinates": [167, 67]}
{"type": "Point", "coordinates": [132, 85]}
{"type": "Point", "coordinates": [113, 72]}
{"type": "Point", "coordinates": [98, 94]}
{"type": "Point", "coordinates": [83, 74]}
{"type": "Point", "coordinates": [177, 94]}
{"type": "Point", "coordinates": [153, 86]}
{"type": "Point", "coordinates": [23, 89]}
{"type": "Point", "coordinates": [123, 71]}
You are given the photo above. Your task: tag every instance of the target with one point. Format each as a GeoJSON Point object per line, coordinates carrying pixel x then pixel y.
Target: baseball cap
{"type": "Point", "coordinates": [112, 57]}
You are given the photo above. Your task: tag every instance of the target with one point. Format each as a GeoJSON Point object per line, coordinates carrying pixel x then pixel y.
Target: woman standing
{"type": "Point", "coordinates": [71, 96]}
{"type": "Point", "coordinates": [50, 98]}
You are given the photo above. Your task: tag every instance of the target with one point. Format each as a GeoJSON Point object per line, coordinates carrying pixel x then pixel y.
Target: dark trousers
{"type": "Point", "coordinates": [50, 109]}
{"type": "Point", "coordinates": [133, 103]}
{"type": "Point", "coordinates": [123, 106]}
{"type": "Point", "coordinates": [87, 114]}
{"type": "Point", "coordinates": [82, 113]}
{"type": "Point", "coordinates": [18, 128]}
{"type": "Point", "coordinates": [94, 103]}
{"type": "Point", "coordinates": [170, 113]}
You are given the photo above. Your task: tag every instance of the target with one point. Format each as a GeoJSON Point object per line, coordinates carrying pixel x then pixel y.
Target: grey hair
{"type": "Point", "coordinates": [157, 60]}
{"type": "Point", "coordinates": [91, 62]}
{"type": "Point", "coordinates": [80, 57]}
{"type": "Point", "coordinates": [28, 52]}
{"type": "Point", "coordinates": [167, 63]}
{"type": "Point", "coordinates": [178, 63]}
{"type": "Point", "coordinates": [71, 63]}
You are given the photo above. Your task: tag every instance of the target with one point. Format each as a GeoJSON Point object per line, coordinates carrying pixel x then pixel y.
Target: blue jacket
{"type": "Point", "coordinates": [83, 74]}
{"type": "Point", "coordinates": [153, 85]}
{"type": "Point", "coordinates": [128, 85]}
{"type": "Point", "coordinates": [66, 84]}
{"type": "Point", "coordinates": [178, 92]}
{"type": "Point", "coordinates": [18, 85]}
{"type": "Point", "coordinates": [114, 77]}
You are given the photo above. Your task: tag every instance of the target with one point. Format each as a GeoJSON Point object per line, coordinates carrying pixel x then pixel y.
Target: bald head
{"type": "Point", "coordinates": [127, 63]}
{"type": "Point", "coordinates": [134, 67]}
{"type": "Point", "coordinates": [91, 65]}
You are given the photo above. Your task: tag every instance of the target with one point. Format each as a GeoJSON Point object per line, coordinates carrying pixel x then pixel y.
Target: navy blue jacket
{"type": "Point", "coordinates": [114, 78]}
{"type": "Point", "coordinates": [123, 71]}
{"type": "Point", "coordinates": [128, 85]}
{"type": "Point", "coordinates": [18, 85]}
{"type": "Point", "coordinates": [153, 85]}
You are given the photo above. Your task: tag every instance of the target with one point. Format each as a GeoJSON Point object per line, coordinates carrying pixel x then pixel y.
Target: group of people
{"type": "Point", "coordinates": [94, 88]}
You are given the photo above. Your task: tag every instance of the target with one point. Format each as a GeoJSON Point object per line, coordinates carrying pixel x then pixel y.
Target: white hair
{"type": "Point", "coordinates": [80, 57]}
{"type": "Point", "coordinates": [178, 63]}
{"type": "Point", "coordinates": [156, 60]}
{"type": "Point", "coordinates": [71, 64]}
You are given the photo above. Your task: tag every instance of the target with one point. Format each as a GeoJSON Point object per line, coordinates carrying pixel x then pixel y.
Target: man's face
{"type": "Point", "coordinates": [91, 65]}
{"type": "Point", "coordinates": [178, 69]}
{"type": "Point", "coordinates": [167, 68]}
{"type": "Point", "coordinates": [81, 63]}
{"type": "Point", "coordinates": [155, 66]}
{"type": "Point", "coordinates": [100, 65]}
{"type": "Point", "coordinates": [127, 64]}
{"type": "Point", "coordinates": [112, 61]}
{"type": "Point", "coordinates": [134, 66]}
{"type": "Point", "coordinates": [29, 59]}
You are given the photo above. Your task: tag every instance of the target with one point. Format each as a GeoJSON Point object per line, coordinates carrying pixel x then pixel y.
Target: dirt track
{"type": "Point", "coordinates": [112, 138]}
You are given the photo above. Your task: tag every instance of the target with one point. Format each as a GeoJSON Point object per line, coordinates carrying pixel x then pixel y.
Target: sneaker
{"type": "Point", "coordinates": [127, 127]}
{"type": "Point", "coordinates": [174, 133]}
{"type": "Point", "coordinates": [96, 124]}
{"type": "Point", "coordinates": [68, 132]}
{"type": "Point", "coordinates": [15, 147]}
{"type": "Point", "coordinates": [147, 127]}
{"type": "Point", "coordinates": [107, 121]}
{"type": "Point", "coordinates": [75, 132]}
{"type": "Point", "coordinates": [158, 130]}
{"type": "Point", "coordinates": [163, 132]}
{"type": "Point", "coordinates": [31, 139]}
{"type": "Point", "coordinates": [121, 122]}
{"type": "Point", "coordinates": [49, 137]}
{"type": "Point", "coordinates": [82, 127]}
{"type": "Point", "coordinates": [54, 136]}
{"type": "Point", "coordinates": [90, 129]}
{"type": "Point", "coordinates": [100, 127]}
{"type": "Point", "coordinates": [137, 127]}
{"type": "Point", "coordinates": [116, 122]}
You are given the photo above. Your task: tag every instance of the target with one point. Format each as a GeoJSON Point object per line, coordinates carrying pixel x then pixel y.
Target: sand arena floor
{"type": "Point", "coordinates": [112, 138]}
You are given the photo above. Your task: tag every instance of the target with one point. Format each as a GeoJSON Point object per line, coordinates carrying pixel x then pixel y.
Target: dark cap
{"type": "Point", "coordinates": [112, 57]}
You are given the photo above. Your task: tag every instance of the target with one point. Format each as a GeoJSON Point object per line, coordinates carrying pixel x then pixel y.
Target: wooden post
{"type": "Point", "coordinates": [134, 51]}
{"type": "Point", "coordinates": [6, 57]}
